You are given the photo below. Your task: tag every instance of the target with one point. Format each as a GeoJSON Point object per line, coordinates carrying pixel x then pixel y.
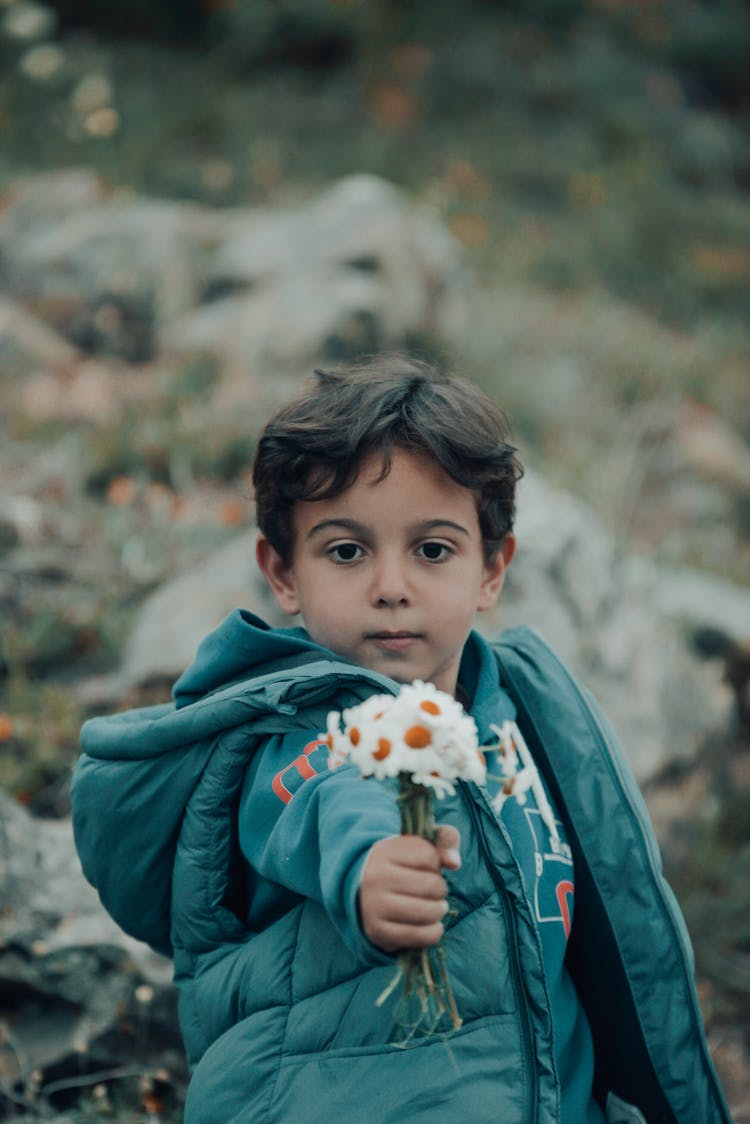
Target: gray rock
{"type": "Point", "coordinates": [619, 621]}
{"type": "Point", "coordinates": [21, 521]}
{"type": "Point", "coordinates": [26, 342]}
{"type": "Point", "coordinates": [107, 269]}
{"type": "Point", "coordinates": [71, 983]}
{"type": "Point", "coordinates": [692, 599]}
{"type": "Point", "coordinates": [171, 621]}
{"type": "Point", "coordinates": [47, 199]}
{"type": "Point", "coordinates": [359, 267]}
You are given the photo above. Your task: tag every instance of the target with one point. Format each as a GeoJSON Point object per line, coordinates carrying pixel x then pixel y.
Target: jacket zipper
{"type": "Point", "coordinates": [519, 986]}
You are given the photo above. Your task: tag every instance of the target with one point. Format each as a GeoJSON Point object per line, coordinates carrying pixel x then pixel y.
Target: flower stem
{"type": "Point", "coordinates": [424, 977]}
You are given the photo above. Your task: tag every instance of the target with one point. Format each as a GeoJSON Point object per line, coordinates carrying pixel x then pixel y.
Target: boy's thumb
{"type": "Point", "coordinates": [448, 841]}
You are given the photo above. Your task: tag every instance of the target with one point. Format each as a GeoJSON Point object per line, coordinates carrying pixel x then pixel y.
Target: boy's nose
{"type": "Point", "coordinates": [389, 585]}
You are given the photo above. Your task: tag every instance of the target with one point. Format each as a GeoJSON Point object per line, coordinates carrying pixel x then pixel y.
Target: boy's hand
{"type": "Point", "coordinates": [402, 897]}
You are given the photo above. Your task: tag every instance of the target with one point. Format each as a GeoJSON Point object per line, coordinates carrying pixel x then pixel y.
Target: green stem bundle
{"type": "Point", "coordinates": [424, 970]}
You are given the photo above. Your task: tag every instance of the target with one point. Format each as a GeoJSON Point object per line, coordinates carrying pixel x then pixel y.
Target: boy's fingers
{"type": "Point", "coordinates": [410, 851]}
{"type": "Point", "coordinates": [394, 921]}
{"type": "Point", "coordinates": [447, 841]}
{"type": "Point", "coordinates": [392, 936]}
{"type": "Point", "coordinates": [402, 910]}
{"type": "Point", "coordinates": [416, 883]}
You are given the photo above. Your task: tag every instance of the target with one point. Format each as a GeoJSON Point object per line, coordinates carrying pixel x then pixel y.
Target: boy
{"type": "Point", "coordinates": [215, 830]}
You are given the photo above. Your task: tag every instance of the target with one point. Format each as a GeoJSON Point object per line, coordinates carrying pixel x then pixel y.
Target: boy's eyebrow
{"type": "Point", "coordinates": [361, 530]}
{"type": "Point", "coordinates": [345, 525]}
{"type": "Point", "coordinates": [433, 524]}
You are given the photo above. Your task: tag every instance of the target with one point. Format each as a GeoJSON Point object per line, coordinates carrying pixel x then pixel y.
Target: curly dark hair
{"type": "Point", "coordinates": [313, 448]}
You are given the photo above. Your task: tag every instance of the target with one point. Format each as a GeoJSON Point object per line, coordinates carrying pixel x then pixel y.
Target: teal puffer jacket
{"type": "Point", "coordinates": [282, 1025]}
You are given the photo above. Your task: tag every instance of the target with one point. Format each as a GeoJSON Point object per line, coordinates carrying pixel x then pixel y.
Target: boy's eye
{"type": "Point", "coordinates": [345, 552]}
{"type": "Point", "coordinates": [435, 551]}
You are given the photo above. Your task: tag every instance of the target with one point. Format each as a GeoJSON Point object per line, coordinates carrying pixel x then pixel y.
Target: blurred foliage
{"type": "Point", "coordinates": [67, 602]}
{"type": "Point", "coordinates": [130, 1093]}
{"type": "Point", "coordinates": [707, 40]}
{"type": "Point", "coordinates": [164, 439]}
{"type": "Point", "coordinates": [623, 127]}
{"type": "Point", "coordinates": [50, 636]}
{"type": "Point", "coordinates": [36, 756]}
{"type": "Point", "coordinates": [714, 894]}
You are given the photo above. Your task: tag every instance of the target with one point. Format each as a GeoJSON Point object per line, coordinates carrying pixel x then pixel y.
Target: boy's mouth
{"type": "Point", "coordinates": [394, 641]}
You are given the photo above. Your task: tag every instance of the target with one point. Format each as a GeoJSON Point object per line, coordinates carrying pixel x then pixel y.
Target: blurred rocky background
{"type": "Point", "coordinates": [202, 200]}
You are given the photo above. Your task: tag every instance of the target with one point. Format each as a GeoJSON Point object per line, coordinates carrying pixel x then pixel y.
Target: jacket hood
{"type": "Point", "coordinates": [241, 644]}
{"type": "Point", "coordinates": [243, 672]}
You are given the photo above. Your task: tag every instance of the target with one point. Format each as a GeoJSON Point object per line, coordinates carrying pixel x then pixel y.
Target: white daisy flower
{"type": "Point", "coordinates": [421, 732]}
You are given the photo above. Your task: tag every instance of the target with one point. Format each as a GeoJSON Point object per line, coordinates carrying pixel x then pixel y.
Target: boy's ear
{"type": "Point", "coordinates": [278, 574]}
{"type": "Point", "coordinates": [494, 574]}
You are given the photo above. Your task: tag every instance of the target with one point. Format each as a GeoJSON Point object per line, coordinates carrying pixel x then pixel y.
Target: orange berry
{"type": "Point", "coordinates": [384, 748]}
{"type": "Point", "coordinates": [417, 737]}
{"type": "Point", "coordinates": [6, 727]}
{"type": "Point", "coordinates": [354, 735]}
{"type": "Point", "coordinates": [429, 706]}
{"type": "Point", "coordinates": [329, 741]}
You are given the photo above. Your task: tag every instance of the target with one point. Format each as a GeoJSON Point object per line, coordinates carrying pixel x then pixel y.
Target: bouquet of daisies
{"type": "Point", "coordinates": [424, 739]}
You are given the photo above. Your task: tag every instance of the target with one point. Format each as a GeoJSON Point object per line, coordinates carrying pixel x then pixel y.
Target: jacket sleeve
{"type": "Point", "coordinates": [310, 828]}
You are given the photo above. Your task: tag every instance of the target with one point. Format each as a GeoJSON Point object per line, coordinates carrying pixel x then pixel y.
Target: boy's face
{"type": "Point", "coordinates": [390, 574]}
